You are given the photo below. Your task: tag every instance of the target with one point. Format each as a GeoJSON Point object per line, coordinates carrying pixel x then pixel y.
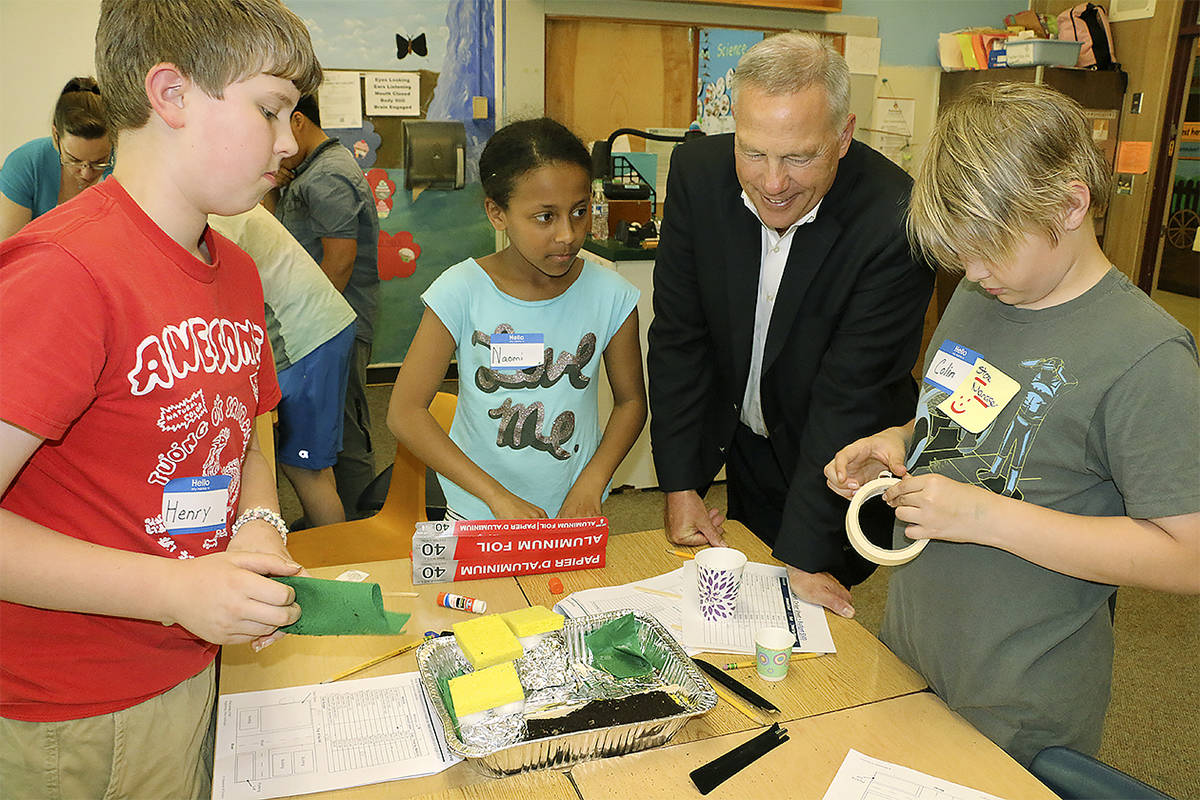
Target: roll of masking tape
{"type": "Point", "coordinates": [869, 551]}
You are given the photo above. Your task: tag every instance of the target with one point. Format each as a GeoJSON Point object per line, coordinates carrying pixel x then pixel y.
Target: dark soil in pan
{"type": "Point", "coordinates": [606, 713]}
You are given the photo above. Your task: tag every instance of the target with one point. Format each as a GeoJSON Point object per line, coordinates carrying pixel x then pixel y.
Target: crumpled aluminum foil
{"type": "Point", "coordinates": [494, 731]}
{"type": "Point", "coordinates": [544, 665]}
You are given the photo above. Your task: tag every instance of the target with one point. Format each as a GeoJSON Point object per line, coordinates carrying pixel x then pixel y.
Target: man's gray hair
{"type": "Point", "coordinates": [791, 62]}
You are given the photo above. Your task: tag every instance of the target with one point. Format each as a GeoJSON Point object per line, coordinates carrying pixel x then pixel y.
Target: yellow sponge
{"type": "Point", "coordinates": [532, 621]}
{"type": "Point", "coordinates": [485, 689]}
{"type": "Point", "coordinates": [486, 641]}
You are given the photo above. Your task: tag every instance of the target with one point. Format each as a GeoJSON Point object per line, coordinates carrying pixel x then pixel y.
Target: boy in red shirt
{"type": "Point", "coordinates": [139, 517]}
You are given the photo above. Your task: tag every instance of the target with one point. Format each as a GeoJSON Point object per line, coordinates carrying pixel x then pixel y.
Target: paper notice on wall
{"type": "Point", "coordinates": [393, 94]}
{"type": "Point", "coordinates": [862, 54]}
{"type": "Point", "coordinates": [340, 100]}
{"type": "Point", "coordinates": [892, 126]}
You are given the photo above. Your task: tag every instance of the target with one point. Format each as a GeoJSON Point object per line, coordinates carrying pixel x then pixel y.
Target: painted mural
{"type": "Point", "coordinates": [451, 43]}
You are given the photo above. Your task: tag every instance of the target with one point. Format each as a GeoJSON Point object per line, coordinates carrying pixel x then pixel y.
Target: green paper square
{"type": "Point", "coordinates": [340, 608]}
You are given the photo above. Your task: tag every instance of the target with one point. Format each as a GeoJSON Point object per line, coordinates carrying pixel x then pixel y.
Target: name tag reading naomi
{"type": "Point", "coordinates": [195, 505]}
{"type": "Point", "coordinates": [980, 397]}
{"type": "Point", "coordinates": [950, 365]}
{"type": "Point", "coordinates": [517, 350]}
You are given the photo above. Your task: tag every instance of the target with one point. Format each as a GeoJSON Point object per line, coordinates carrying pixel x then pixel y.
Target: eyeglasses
{"type": "Point", "coordinates": [68, 160]}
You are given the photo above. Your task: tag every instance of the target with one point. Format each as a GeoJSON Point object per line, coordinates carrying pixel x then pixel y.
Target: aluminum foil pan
{"type": "Point", "coordinates": [441, 658]}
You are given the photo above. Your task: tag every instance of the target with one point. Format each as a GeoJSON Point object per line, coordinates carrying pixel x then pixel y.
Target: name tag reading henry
{"type": "Point", "coordinates": [517, 350]}
{"type": "Point", "coordinates": [195, 505]}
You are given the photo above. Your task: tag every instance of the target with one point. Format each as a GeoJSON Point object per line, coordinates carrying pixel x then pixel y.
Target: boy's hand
{"type": "Point", "coordinates": [937, 507]}
{"type": "Point", "coordinates": [224, 598]}
{"type": "Point", "coordinates": [513, 507]}
{"type": "Point", "coordinates": [860, 462]}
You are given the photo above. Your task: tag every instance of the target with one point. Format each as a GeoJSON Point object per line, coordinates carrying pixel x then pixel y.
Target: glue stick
{"type": "Point", "coordinates": [461, 603]}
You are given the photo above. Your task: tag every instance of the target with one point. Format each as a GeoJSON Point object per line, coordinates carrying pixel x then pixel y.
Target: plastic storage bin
{"type": "Point", "coordinates": [1045, 52]}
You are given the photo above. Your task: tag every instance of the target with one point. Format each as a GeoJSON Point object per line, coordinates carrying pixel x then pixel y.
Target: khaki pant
{"type": "Point", "coordinates": [160, 749]}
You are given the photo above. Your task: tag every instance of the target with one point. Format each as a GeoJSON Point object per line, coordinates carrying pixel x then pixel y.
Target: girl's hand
{"type": "Point", "coordinates": [580, 503]}
{"type": "Point", "coordinates": [224, 598]}
{"type": "Point", "coordinates": [860, 462]}
{"type": "Point", "coordinates": [513, 507]}
{"type": "Point", "coordinates": [937, 507]}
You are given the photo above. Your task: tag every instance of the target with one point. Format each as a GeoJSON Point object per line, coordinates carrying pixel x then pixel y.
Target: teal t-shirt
{"type": "Point", "coordinates": [31, 176]}
{"type": "Point", "coordinates": [535, 429]}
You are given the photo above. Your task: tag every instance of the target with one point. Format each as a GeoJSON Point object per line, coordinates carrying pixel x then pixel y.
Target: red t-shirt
{"type": "Point", "coordinates": [138, 363]}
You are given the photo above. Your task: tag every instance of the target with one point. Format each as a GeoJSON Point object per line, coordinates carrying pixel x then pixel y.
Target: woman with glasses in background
{"type": "Point", "coordinates": [43, 173]}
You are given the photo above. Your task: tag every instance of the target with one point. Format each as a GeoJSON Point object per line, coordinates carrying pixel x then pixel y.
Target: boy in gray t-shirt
{"type": "Point", "coordinates": [1055, 452]}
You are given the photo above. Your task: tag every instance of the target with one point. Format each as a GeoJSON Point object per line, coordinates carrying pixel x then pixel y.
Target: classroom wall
{"type": "Point", "coordinates": [43, 43]}
{"type": "Point", "coordinates": [908, 58]}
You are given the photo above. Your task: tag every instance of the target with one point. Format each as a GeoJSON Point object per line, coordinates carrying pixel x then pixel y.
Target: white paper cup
{"type": "Point", "coordinates": [773, 652]}
{"type": "Point", "coordinates": [718, 581]}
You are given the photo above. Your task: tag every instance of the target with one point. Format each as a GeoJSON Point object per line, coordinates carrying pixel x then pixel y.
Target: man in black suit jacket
{"type": "Point", "coordinates": [788, 311]}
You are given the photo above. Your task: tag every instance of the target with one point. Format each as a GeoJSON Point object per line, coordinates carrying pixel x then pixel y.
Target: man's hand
{"type": "Point", "coordinates": [689, 522]}
{"type": "Point", "coordinates": [823, 589]}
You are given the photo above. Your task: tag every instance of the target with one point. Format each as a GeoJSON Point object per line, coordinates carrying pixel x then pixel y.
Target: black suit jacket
{"type": "Point", "coordinates": [842, 341]}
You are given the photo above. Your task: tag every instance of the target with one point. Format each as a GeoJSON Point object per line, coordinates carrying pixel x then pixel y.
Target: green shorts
{"type": "Point", "coordinates": [161, 749]}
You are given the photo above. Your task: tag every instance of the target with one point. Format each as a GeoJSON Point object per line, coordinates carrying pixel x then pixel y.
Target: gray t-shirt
{"type": "Point", "coordinates": [329, 198]}
{"type": "Point", "coordinates": [1105, 423]}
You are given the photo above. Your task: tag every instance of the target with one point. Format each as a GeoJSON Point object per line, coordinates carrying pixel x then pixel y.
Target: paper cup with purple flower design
{"type": "Point", "coordinates": [718, 579]}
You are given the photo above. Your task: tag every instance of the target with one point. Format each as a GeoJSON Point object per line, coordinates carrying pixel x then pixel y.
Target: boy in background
{"type": "Point", "coordinates": [324, 201]}
{"type": "Point", "coordinates": [1055, 453]}
{"type": "Point", "coordinates": [311, 328]}
{"type": "Point", "coordinates": [139, 518]}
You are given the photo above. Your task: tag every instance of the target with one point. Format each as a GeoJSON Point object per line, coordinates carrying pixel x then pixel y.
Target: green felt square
{"type": "Point", "coordinates": [617, 649]}
{"type": "Point", "coordinates": [340, 608]}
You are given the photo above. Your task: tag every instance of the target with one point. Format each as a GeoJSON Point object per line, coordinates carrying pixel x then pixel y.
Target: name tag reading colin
{"type": "Point", "coordinates": [195, 505]}
{"type": "Point", "coordinates": [950, 365]}
{"type": "Point", "coordinates": [518, 350]}
{"type": "Point", "coordinates": [980, 397]}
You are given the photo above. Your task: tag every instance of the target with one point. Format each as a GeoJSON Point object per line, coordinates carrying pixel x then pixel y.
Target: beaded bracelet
{"type": "Point", "coordinates": [266, 515]}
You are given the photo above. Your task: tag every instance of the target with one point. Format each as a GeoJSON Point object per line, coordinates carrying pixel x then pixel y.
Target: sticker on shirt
{"type": "Point", "coordinates": [517, 350]}
{"type": "Point", "coordinates": [980, 397]}
{"type": "Point", "coordinates": [195, 505]}
{"type": "Point", "coordinates": [950, 366]}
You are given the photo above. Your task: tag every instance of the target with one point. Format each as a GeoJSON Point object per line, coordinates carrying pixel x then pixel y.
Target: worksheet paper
{"type": "Point", "coordinates": [861, 777]}
{"type": "Point", "coordinates": [307, 739]}
{"type": "Point", "coordinates": [765, 599]}
{"type": "Point", "coordinates": [660, 596]}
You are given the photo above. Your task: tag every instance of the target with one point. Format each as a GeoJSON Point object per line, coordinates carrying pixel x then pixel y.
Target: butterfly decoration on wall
{"type": "Point", "coordinates": [415, 45]}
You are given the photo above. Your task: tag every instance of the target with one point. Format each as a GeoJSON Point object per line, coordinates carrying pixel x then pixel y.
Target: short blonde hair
{"type": "Point", "coordinates": [215, 43]}
{"type": "Point", "coordinates": [791, 62]}
{"type": "Point", "coordinates": [999, 168]}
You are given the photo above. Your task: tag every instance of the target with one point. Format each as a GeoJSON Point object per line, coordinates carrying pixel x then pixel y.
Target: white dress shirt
{"type": "Point", "coordinates": [775, 249]}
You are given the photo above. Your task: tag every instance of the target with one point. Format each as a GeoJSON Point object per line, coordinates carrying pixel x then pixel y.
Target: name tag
{"type": "Point", "coordinates": [518, 350]}
{"type": "Point", "coordinates": [980, 397]}
{"type": "Point", "coordinates": [195, 505]}
{"type": "Point", "coordinates": [950, 365]}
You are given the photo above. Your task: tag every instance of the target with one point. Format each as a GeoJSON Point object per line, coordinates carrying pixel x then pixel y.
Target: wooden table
{"type": "Point", "coordinates": [916, 731]}
{"type": "Point", "coordinates": [860, 697]}
{"type": "Point", "coordinates": [862, 671]}
{"type": "Point", "coordinates": [302, 660]}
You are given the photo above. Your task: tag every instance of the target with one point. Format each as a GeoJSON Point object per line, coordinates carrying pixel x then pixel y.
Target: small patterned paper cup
{"type": "Point", "coordinates": [773, 652]}
{"type": "Point", "coordinates": [718, 579]}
